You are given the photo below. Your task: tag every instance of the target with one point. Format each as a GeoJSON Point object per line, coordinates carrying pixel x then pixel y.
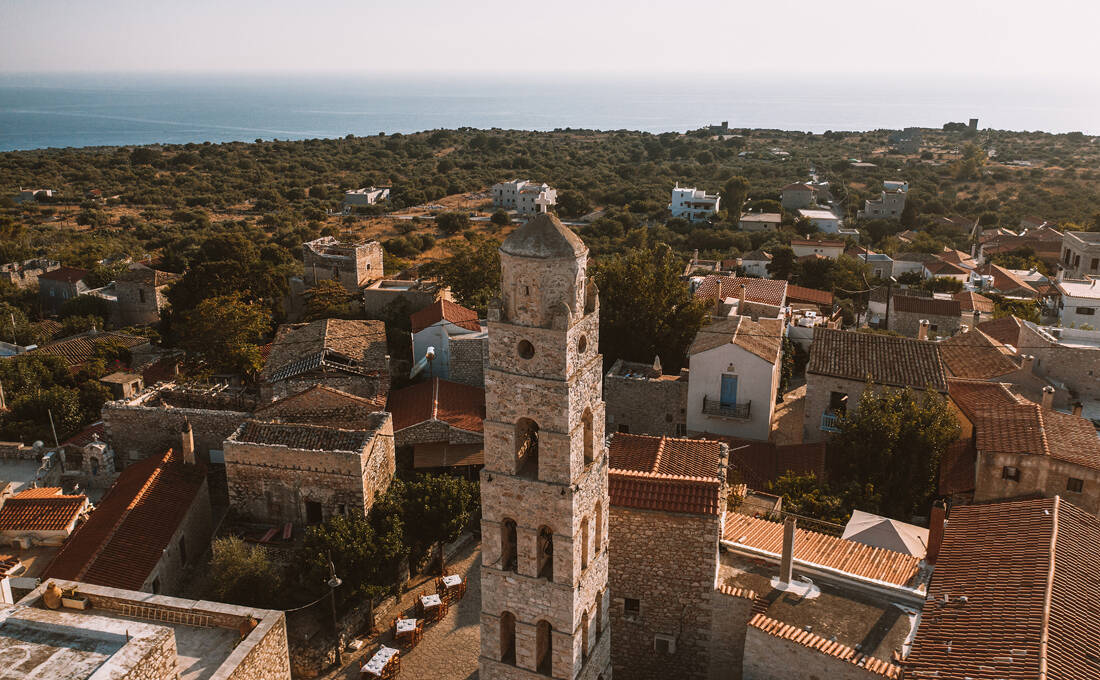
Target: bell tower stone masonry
{"type": "Point", "coordinates": [544, 485]}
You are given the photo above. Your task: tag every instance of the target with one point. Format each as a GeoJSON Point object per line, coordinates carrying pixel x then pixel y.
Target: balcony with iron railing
{"type": "Point", "coordinates": [829, 421]}
{"type": "Point", "coordinates": [714, 407]}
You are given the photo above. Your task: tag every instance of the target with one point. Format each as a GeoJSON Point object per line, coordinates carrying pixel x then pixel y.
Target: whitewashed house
{"type": "Point", "coordinates": [524, 196]}
{"type": "Point", "coordinates": [1080, 303]}
{"type": "Point", "coordinates": [694, 205]}
{"type": "Point", "coordinates": [458, 340]}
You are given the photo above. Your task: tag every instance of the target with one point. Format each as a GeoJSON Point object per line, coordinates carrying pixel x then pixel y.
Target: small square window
{"type": "Point", "coordinates": [1075, 485]}
{"type": "Point", "coordinates": [664, 644]}
{"type": "Point", "coordinates": [1010, 472]}
{"type": "Point", "coordinates": [632, 609]}
{"type": "Point", "coordinates": [625, 429]}
{"type": "Point", "coordinates": [681, 430]}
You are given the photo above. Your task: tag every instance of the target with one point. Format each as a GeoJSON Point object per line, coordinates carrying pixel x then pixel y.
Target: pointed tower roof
{"type": "Point", "coordinates": [545, 237]}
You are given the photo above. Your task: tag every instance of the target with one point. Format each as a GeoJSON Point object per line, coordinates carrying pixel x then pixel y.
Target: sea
{"type": "Point", "coordinates": [105, 109]}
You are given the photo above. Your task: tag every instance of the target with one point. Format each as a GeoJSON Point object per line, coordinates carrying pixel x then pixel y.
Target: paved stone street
{"type": "Point", "coordinates": [787, 424]}
{"type": "Point", "coordinates": [449, 648]}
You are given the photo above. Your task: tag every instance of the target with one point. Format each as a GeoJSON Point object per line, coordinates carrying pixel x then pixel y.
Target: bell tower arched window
{"type": "Point", "coordinates": [527, 448]}
{"type": "Point", "coordinates": [508, 555]}
{"type": "Point", "coordinates": [546, 553]}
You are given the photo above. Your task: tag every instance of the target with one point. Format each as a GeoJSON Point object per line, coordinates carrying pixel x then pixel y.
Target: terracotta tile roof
{"type": "Point", "coordinates": [444, 310]}
{"type": "Point", "coordinates": [820, 644]}
{"type": "Point", "coordinates": [48, 327]}
{"type": "Point", "coordinates": [1028, 428]}
{"type": "Point", "coordinates": [1005, 281]}
{"type": "Point", "coordinates": [974, 354]}
{"type": "Point", "coordinates": [96, 430]}
{"type": "Point", "coordinates": [766, 291]}
{"type": "Point", "coordinates": [759, 463]}
{"type": "Point", "coordinates": [938, 267]}
{"type": "Point", "coordinates": [663, 473]}
{"type": "Point", "coordinates": [322, 405]}
{"type": "Point", "coordinates": [40, 511]}
{"type": "Point", "coordinates": [65, 274]}
{"type": "Point", "coordinates": [125, 536]}
{"type": "Point", "coordinates": [958, 468]}
{"type": "Point", "coordinates": [759, 256]}
{"type": "Point", "coordinates": [441, 454]}
{"type": "Point", "coordinates": [821, 549]}
{"type": "Point", "coordinates": [460, 406]}
{"type": "Point", "coordinates": [930, 306]}
{"type": "Point", "coordinates": [885, 359]}
{"type": "Point", "coordinates": [40, 492]}
{"type": "Point", "coordinates": [1027, 571]}
{"type": "Point", "coordinates": [913, 256]}
{"type": "Point", "coordinates": [798, 187]}
{"type": "Point", "coordinates": [351, 346]}
{"type": "Point", "coordinates": [973, 395]}
{"type": "Point", "coordinates": [301, 436]}
{"type": "Point", "coordinates": [1005, 330]}
{"type": "Point", "coordinates": [801, 294]}
{"type": "Point", "coordinates": [958, 257]}
{"type": "Point", "coordinates": [79, 349]}
{"type": "Point", "coordinates": [969, 301]}
{"type": "Point", "coordinates": [763, 338]}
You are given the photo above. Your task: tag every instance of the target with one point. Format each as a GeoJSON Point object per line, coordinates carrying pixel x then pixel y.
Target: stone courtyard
{"type": "Point", "coordinates": [449, 649]}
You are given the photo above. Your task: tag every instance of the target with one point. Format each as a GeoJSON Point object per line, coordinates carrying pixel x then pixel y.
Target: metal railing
{"type": "Point", "coordinates": [717, 408]}
{"type": "Point", "coordinates": [829, 422]}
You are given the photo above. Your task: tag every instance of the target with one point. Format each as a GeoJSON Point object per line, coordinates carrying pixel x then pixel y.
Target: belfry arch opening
{"type": "Point", "coordinates": [546, 553]}
{"type": "Point", "coordinates": [508, 638]}
{"type": "Point", "coordinates": [527, 448]}
{"type": "Point", "coordinates": [508, 556]}
{"type": "Point", "coordinates": [589, 434]}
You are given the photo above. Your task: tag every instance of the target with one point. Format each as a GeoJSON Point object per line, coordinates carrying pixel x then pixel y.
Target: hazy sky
{"type": "Point", "coordinates": [1055, 38]}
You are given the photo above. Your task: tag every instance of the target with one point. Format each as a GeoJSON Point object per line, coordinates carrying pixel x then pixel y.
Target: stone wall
{"type": "Point", "coordinates": [768, 657]}
{"type": "Point", "coordinates": [138, 302]}
{"type": "Point", "coordinates": [731, 611]}
{"type": "Point", "coordinates": [668, 562]}
{"type": "Point", "coordinates": [194, 532]}
{"type": "Point", "coordinates": [367, 386]}
{"type": "Point", "coordinates": [137, 432]}
{"type": "Point", "coordinates": [469, 357]}
{"type": "Point", "coordinates": [1077, 367]}
{"type": "Point", "coordinates": [1040, 475]}
{"type": "Point", "coordinates": [654, 406]}
{"type": "Point", "coordinates": [434, 432]}
{"type": "Point", "coordinates": [908, 324]}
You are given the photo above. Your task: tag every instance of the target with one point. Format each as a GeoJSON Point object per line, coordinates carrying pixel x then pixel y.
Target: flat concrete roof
{"type": "Point", "coordinates": [19, 471]}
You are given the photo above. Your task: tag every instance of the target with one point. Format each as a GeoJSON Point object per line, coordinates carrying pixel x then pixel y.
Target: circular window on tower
{"type": "Point", "coordinates": [526, 349]}
{"type": "Point", "coordinates": [582, 344]}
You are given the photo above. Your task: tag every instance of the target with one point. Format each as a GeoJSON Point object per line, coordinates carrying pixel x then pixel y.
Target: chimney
{"type": "Point", "coordinates": [922, 333]}
{"type": "Point", "coordinates": [741, 298]}
{"type": "Point", "coordinates": [657, 364]}
{"type": "Point", "coordinates": [1048, 398]}
{"type": "Point", "coordinates": [1029, 363]}
{"type": "Point", "coordinates": [1077, 408]}
{"type": "Point", "coordinates": [977, 318]}
{"type": "Point", "coordinates": [187, 443]}
{"type": "Point", "coordinates": [786, 561]}
{"type": "Point", "coordinates": [936, 523]}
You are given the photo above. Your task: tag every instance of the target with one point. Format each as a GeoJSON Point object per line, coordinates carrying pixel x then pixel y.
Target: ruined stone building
{"type": "Point", "coordinates": [544, 485]}
{"type": "Point", "coordinates": [141, 295]}
{"type": "Point", "coordinates": [25, 274]}
{"type": "Point", "coordinates": [350, 356]}
{"type": "Point", "coordinates": [352, 265]}
{"type": "Point", "coordinates": [642, 400]}
{"type": "Point", "coordinates": [668, 499]}
{"type": "Point", "coordinates": [304, 474]}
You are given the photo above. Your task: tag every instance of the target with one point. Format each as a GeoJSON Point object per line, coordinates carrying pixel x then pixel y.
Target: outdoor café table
{"type": "Point", "coordinates": [378, 662]}
{"type": "Point", "coordinates": [453, 586]}
{"type": "Point", "coordinates": [432, 606]}
{"type": "Point", "coordinates": [405, 626]}
{"type": "Point", "coordinates": [452, 581]}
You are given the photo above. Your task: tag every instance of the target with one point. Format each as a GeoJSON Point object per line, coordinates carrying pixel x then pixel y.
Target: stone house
{"type": "Point", "coordinates": [57, 286]}
{"type": "Point", "coordinates": [352, 265]}
{"type": "Point", "coordinates": [739, 295]}
{"type": "Point", "coordinates": [544, 499]}
{"type": "Point", "coordinates": [439, 424]}
{"type": "Point", "coordinates": [968, 628]}
{"type": "Point", "coordinates": [123, 385]}
{"type": "Point", "coordinates": [996, 279]}
{"type": "Point", "coordinates": [843, 363]}
{"type": "Point", "coordinates": [1080, 254]}
{"type": "Point", "coordinates": [733, 377]}
{"type": "Point", "coordinates": [1019, 448]}
{"type": "Point", "coordinates": [459, 342]}
{"type": "Point", "coordinates": [40, 516]}
{"type": "Point", "coordinates": [974, 355]}
{"type": "Point", "coordinates": [668, 499]}
{"type": "Point", "coordinates": [1067, 356]}
{"type": "Point", "coordinates": [321, 405]}
{"type": "Point", "coordinates": [350, 356]}
{"type": "Point", "coordinates": [137, 636]}
{"type": "Point", "coordinates": [937, 268]}
{"type": "Point", "coordinates": [524, 196]}
{"type": "Point", "coordinates": [760, 221]}
{"type": "Point", "coordinates": [796, 196]}
{"type": "Point", "coordinates": [25, 274]}
{"type": "Point", "coordinates": [642, 400]}
{"type": "Point", "coordinates": [415, 294]}
{"type": "Point", "coordinates": [141, 295]}
{"type": "Point", "coordinates": [304, 474]}
{"type": "Point", "coordinates": [944, 317]}
{"type": "Point", "coordinates": [154, 523]}
{"type": "Point", "coordinates": [366, 196]}
{"type": "Point", "coordinates": [889, 205]}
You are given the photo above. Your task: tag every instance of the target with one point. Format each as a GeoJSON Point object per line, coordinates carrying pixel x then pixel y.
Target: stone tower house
{"type": "Point", "coordinates": [544, 485]}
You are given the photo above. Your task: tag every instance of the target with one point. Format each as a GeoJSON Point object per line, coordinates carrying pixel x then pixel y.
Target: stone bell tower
{"type": "Point", "coordinates": [544, 485]}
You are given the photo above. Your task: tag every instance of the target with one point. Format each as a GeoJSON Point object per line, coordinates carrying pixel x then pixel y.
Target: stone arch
{"type": "Point", "coordinates": [527, 448]}
{"type": "Point", "coordinates": [544, 648]}
{"type": "Point", "coordinates": [584, 543]}
{"type": "Point", "coordinates": [508, 638]}
{"type": "Point", "coordinates": [508, 556]}
{"type": "Point", "coordinates": [584, 636]}
{"type": "Point", "coordinates": [589, 435]}
{"type": "Point", "coordinates": [598, 546]}
{"type": "Point", "coordinates": [599, 614]}
{"type": "Point", "coordinates": [545, 556]}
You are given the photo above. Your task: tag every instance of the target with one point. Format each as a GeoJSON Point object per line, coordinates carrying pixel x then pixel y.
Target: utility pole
{"type": "Point", "coordinates": [55, 442]}
{"type": "Point", "coordinates": [13, 329]}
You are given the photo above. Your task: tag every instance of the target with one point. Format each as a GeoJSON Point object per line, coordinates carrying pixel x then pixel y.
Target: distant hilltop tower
{"type": "Point", "coordinates": [544, 486]}
{"type": "Point", "coordinates": [974, 124]}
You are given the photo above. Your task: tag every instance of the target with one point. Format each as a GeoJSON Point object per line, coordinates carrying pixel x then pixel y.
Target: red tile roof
{"type": "Point", "coordinates": [885, 359]}
{"type": "Point", "coordinates": [41, 510]}
{"type": "Point", "coordinates": [850, 557]}
{"type": "Point", "coordinates": [1013, 595]}
{"type": "Point", "coordinates": [302, 437]}
{"type": "Point", "coordinates": [820, 644]}
{"type": "Point", "coordinates": [971, 396]}
{"type": "Point", "coordinates": [460, 406]}
{"type": "Point", "coordinates": [929, 306]}
{"type": "Point", "coordinates": [958, 468]}
{"type": "Point", "coordinates": [40, 492]}
{"type": "Point", "coordinates": [1031, 429]}
{"type": "Point", "coordinates": [766, 291]}
{"type": "Point", "coordinates": [974, 354]}
{"type": "Point", "coordinates": [938, 267]}
{"type": "Point", "coordinates": [756, 464]}
{"type": "Point", "coordinates": [66, 274]}
{"type": "Point", "coordinates": [798, 187]}
{"type": "Point", "coordinates": [1005, 330]}
{"type": "Point", "coordinates": [86, 436]}
{"type": "Point", "coordinates": [662, 473]}
{"type": "Point", "coordinates": [801, 294]}
{"type": "Point", "coordinates": [969, 301]}
{"type": "Point", "coordinates": [763, 338]}
{"type": "Point", "coordinates": [125, 536]}
{"type": "Point", "coordinates": [323, 405]}
{"type": "Point", "coordinates": [1005, 281]}
{"type": "Point", "coordinates": [444, 310]}
{"type": "Point", "coordinates": [81, 348]}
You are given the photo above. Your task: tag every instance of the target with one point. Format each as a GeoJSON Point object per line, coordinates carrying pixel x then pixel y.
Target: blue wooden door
{"type": "Point", "coordinates": [729, 390]}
